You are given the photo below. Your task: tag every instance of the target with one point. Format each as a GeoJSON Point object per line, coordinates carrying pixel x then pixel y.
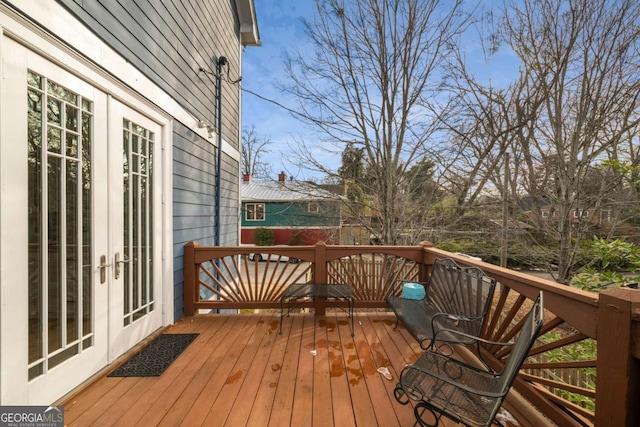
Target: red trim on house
{"type": "Point", "coordinates": [307, 236]}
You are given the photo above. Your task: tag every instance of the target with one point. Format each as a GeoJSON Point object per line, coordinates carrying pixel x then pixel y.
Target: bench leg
{"type": "Point", "coordinates": [419, 411]}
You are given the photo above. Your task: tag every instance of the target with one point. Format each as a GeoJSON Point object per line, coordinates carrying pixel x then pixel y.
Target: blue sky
{"type": "Point", "coordinates": [281, 29]}
{"type": "Point", "coordinates": [280, 26]}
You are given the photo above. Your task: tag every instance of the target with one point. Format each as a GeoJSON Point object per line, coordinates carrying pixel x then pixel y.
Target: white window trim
{"type": "Point", "coordinates": [246, 212]}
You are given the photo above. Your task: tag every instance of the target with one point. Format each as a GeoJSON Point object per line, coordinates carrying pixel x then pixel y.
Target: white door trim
{"type": "Point", "coordinates": [14, 384]}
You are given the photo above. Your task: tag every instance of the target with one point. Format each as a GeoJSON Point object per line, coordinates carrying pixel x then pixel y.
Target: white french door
{"type": "Point", "coordinates": [80, 225]}
{"type": "Point", "coordinates": [134, 207]}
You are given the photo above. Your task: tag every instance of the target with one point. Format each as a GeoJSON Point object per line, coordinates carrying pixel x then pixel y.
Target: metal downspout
{"type": "Point", "coordinates": [222, 61]}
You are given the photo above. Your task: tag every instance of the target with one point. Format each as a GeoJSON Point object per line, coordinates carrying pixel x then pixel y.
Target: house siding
{"type": "Point", "coordinates": [295, 214]}
{"type": "Point", "coordinates": [169, 42]}
{"type": "Point", "coordinates": [292, 220]}
{"type": "Point", "coordinates": [194, 184]}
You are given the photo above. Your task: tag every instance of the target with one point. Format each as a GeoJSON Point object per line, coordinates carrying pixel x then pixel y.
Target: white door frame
{"type": "Point", "coordinates": [14, 384]}
{"type": "Point", "coordinates": [123, 337]}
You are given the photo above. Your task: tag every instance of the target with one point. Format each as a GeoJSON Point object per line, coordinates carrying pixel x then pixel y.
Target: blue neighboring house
{"type": "Point", "coordinates": [298, 212]}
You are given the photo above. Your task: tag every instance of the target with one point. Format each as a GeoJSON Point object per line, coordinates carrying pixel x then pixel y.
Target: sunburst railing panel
{"type": "Point", "coordinates": [238, 279]}
{"type": "Point", "coordinates": [373, 276]}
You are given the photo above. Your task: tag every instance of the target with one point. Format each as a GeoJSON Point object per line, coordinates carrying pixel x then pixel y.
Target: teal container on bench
{"type": "Point", "coordinates": [413, 291]}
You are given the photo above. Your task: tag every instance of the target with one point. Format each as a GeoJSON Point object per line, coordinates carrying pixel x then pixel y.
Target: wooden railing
{"type": "Point", "coordinates": [224, 277]}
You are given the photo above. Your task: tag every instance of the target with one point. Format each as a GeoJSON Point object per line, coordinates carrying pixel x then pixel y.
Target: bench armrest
{"type": "Point", "coordinates": [455, 318]}
{"type": "Point", "coordinates": [470, 337]}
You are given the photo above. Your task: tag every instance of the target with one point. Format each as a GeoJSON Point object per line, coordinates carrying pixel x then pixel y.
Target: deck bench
{"type": "Point", "coordinates": [456, 299]}
{"type": "Point", "coordinates": [443, 386]}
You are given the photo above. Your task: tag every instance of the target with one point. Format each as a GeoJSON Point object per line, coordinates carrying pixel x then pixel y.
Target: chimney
{"type": "Point", "coordinates": [282, 177]}
{"type": "Point", "coordinates": [246, 177]}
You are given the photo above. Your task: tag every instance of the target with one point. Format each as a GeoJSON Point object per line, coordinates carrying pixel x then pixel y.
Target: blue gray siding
{"type": "Point", "coordinates": [169, 41]}
{"type": "Point", "coordinates": [194, 178]}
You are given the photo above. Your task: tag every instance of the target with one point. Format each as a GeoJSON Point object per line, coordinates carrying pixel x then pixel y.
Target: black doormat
{"type": "Point", "coordinates": [153, 359]}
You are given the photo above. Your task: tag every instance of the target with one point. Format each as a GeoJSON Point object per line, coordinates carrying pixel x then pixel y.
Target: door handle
{"type": "Point", "coordinates": [103, 268]}
{"type": "Point", "coordinates": [118, 262]}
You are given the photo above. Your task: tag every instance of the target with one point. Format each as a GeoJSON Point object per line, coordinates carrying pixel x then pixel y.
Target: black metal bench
{"type": "Point", "coordinates": [456, 299]}
{"type": "Point", "coordinates": [443, 386]}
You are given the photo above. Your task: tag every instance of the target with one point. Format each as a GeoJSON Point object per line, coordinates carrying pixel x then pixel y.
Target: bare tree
{"type": "Point", "coordinates": [581, 57]}
{"type": "Point", "coordinates": [253, 152]}
{"type": "Point", "coordinates": [376, 65]}
{"type": "Point", "coordinates": [481, 122]}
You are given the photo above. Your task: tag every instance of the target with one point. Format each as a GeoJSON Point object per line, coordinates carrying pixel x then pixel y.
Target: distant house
{"type": "Point", "coordinates": [593, 216]}
{"type": "Point", "coordinates": [114, 152]}
{"type": "Point", "coordinates": [297, 212]}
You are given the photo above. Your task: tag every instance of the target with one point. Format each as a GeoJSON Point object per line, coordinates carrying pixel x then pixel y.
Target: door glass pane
{"type": "Point", "coordinates": [72, 145]}
{"type": "Point", "coordinates": [150, 217]}
{"type": "Point", "coordinates": [144, 257]}
{"type": "Point", "coordinates": [72, 252]}
{"type": "Point", "coordinates": [126, 152]}
{"type": "Point", "coordinates": [54, 136]}
{"type": "Point", "coordinates": [54, 247]}
{"type": "Point", "coordinates": [72, 118]}
{"type": "Point", "coordinates": [87, 290]}
{"type": "Point", "coordinates": [59, 223]}
{"type": "Point", "coordinates": [34, 145]}
{"type": "Point", "coordinates": [54, 113]}
{"type": "Point", "coordinates": [135, 240]}
{"type": "Point", "coordinates": [138, 219]}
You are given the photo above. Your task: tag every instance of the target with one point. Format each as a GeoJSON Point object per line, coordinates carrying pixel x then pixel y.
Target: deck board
{"type": "Point", "coordinates": [322, 403]}
{"type": "Point", "coordinates": [303, 384]}
{"type": "Point", "coordinates": [343, 414]}
{"type": "Point", "coordinates": [280, 413]}
{"type": "Point", "coordinates": [241, 371]}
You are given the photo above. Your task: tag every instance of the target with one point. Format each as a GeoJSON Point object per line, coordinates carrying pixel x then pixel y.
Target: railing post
{"type": "Point", "coordinates": [618, 381]}
{"type": "Point", "coordinates": [190, 284]}
{"type": "Point", "coordinates": [427, 261]}
{"type": "Point", "coordinates": [320, 274]}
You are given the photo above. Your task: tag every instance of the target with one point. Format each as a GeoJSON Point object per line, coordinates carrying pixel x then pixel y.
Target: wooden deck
{"type": "Point", "coordinates": [240, 371]}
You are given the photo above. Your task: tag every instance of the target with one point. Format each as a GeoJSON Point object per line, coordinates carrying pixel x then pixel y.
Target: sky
{"type": "Point", "coordinates": [281, 29]}
{"type": "Point", "coordinates": [280, 26]}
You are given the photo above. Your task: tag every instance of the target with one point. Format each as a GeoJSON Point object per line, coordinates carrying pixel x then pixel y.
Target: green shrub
{"type": "Point", "coordinates": [264, 237]}
{"type": "Point", "coordinates": [613, 264]}
{"type": "Point", "coordinates": [580, 351]}
{"type": "Point", "coordinates": [616, 254]}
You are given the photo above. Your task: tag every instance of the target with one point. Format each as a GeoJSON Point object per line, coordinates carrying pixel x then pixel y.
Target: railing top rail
{"type": "Point", "coordinates": [507, 275]}
{"type": "Point", "coordinates": [207, 253]}
{"type": "Point", "coordinates": [414, 253]}
{"type": "Point", "coordinates": [577, 307]}
{"type": "Point", "coordinates": [306, 252]}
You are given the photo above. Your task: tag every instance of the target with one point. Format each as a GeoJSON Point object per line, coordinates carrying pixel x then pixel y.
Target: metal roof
{"type": "Point", "coordinates": [283, 191]}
